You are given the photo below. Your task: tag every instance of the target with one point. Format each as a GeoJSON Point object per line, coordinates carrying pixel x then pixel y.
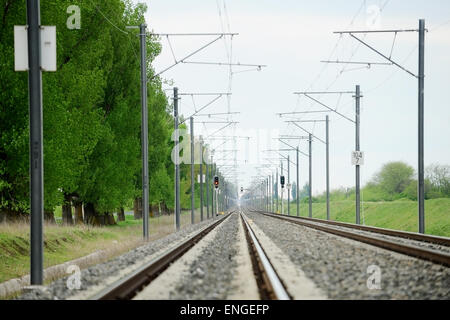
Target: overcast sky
{"type": "Point", "coordinates": [291, 37]}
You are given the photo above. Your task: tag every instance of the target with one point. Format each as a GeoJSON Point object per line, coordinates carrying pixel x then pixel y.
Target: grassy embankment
{"type": "Point", "coordinates": [70, 242]}
{"type": "Point", "coordinates": [399, 214]}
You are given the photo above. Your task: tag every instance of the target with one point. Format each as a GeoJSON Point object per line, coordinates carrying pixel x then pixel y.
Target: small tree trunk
{"type": "Point", "coordinates": [67, 210]}
{"type": "Point", "coordinates": [154, 211]}
{"type": "Point", "coordinates": [78, 213]}
{"type": "Point", "coordinates": [109, 219]}
{"type": "Point", "coordinates": [137, 208]}
{"type": "Point", "coordinates": [121, 215]}
{"type": "Point", "coordinates": [49, 216]}
{"type": "Point", "coordinates": [90, 216]}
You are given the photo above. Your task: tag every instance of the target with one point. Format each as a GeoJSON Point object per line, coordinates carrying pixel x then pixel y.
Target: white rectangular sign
{"type": "Point", "coordinates": [357, 158]}
{"type": "Point", "coordinates": [20, 48]}
{"type": "Point", "coordinates": [198, 178]}
{"type": "Point", "coordinates": [48, 48]}
{"type": "Point", "coordinates": [289, 186]}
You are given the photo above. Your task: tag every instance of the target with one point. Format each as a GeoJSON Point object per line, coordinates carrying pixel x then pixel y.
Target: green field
{"type": "Point", "coordinates": [65, 243]}
{"type": "Point", "coordinates": [400, 214]}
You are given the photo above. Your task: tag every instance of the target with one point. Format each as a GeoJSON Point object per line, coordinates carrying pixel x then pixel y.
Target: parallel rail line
{"type": "Point", "coordinates": [269, 284]}
{"type": "Point", "coordinates": [128, 287]}
{"type": "Point", "coordinates": [443, 241]}
{"type": "Point", "coordinates": [411, 250]}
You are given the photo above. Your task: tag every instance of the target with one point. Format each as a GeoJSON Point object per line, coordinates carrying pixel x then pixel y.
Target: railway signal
{"type": "Point", "coordinates": [216, 182]}
{"type": "Point", "coordinates": [282, 181]}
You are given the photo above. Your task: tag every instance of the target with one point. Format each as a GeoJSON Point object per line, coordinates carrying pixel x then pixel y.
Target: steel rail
{"type": "Point", "coordinates": [270, 285]}
{"type": "Point", "coordinates": [126, 288]}
{"type": "Point", "coordinates": [443, 241]}
{"type": "Point", "coordinates": [410, 250]}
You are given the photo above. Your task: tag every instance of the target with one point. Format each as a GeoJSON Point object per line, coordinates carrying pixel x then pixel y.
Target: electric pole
{"type": "Point", "coordinates": [201, 178]}
{"type": "Point", "coordinates": [310, 175]}
{"type": "Point", "coordinates": [358, 181]}
{"type": "Point", "coordinates": [192, 171]}
{"type": "Point", "coordinates": [36, 143]}
{"type": "Point", "coordinates": [328, 164]}
{"type": "Point", "coordinates": [144, 134]}
{"type": "Point", "coordinates": [298, 183]}
{"type": "Point", "coordinates": [177, 165]}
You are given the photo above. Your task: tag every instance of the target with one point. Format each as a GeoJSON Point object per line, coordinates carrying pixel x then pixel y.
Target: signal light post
{"type": "Point", "coordinates": [216, 187]}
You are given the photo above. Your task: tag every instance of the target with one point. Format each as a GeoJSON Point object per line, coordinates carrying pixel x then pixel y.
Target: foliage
{"type": "Point", "coordinates": [394, 177]}
{"type": "Point", "coordinates": [91, 111]}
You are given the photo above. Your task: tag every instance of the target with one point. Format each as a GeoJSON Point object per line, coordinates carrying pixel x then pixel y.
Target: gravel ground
{"type": "Point", "coordinates": [211, 274]}
{"type": "Point", "coordinates": [416, 243]}
{"type": "Point", "coordinates": [340, 266]}
{"type": "Point", "coordinates": [95, 275]}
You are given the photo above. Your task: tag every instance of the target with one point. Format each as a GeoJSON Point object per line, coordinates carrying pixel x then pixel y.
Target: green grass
{"type": "Point", "coordinates": [400, 214]}
{"type": "Point", "coordinates": [65, 243]}
{"type": "Point", "coordinates": [60, 244]}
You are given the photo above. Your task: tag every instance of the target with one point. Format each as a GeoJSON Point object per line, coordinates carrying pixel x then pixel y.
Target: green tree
{"type": "Point", "coordinates": [394, 177]}
{"type": "Point", "coordinates": [439, 177]}
{"type": "Point", "coordinates": [91, 111]}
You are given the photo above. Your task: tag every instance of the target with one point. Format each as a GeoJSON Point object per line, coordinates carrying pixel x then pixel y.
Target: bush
{"type": "Point", "coordinates": [394, 177]}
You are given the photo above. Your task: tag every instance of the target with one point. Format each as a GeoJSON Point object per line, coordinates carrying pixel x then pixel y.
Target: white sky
{"type": "Point", "coordinates": [291, 37]}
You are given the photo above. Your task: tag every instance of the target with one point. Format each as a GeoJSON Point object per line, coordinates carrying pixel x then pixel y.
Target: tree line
{"type": "Point", "coordinates": [91, 116]}
{"type": "Point", "coordinates": [395, 180]}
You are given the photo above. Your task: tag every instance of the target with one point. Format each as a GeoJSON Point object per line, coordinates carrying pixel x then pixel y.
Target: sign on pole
{"type": "Point", "coordinates": [357, 158]}
{"type": "Point", "coordinates": [20, 48]}
{"type": "Point", "coordinates": [48, 48]}
{"type": "Point", "coordinates": [198, 178]}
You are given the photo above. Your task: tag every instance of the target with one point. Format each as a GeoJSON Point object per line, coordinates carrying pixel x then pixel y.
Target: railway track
{"type": "Point", "coordinates": [269, 285]}
{"type": "Point", "coordinates": [373, 236]}
{"type": "Point", "coordinates": [128, 287]}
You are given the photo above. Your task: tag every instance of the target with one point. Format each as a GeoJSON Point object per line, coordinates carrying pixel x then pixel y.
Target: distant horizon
{"type": "Point", "coordinates": [279, 36]}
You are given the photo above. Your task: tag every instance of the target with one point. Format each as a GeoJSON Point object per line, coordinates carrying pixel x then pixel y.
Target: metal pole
{"type": "Point", "coordinates": [201, 179]}
{"type": "Point", "coordinates": [207, 182]}
{"type": "Point", "coordinates": [328, 166]}
{"type": "Point", "coordinates": [145, 191]}
{"type": "Point", "coordinates": [36, 143]}
{"type": "Point", "coordinates": [310, 176]}
{"type": "Point", "coordinates": [192, 172]}
{"type": "Point", "coordinates": [298, 184]}
{"type": "Point", "coordinates": [212, 186]}
{"type": "Point", "coordinates": [282, 190]}
{"type": "Point", "coordinates": [289, 182]}
{"type": "Point", "coordinates": [217, 191]}
{"type": "Point", "coordinates": [177, 166]}
{"type": "Point", "coordinates": [276, 190]}
{"type": "Point", "coordinates": [357, 149]}
{"type": "Point", "coordinates": [272, 194]}
{"type": "Point", "coordinates": [421, 186]}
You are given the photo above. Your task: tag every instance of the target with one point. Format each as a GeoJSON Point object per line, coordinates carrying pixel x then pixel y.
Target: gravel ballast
{"type": "Point", "coordinates": [412, 242]}
{"type": "Point", "coordinates": [344, 268]}
{"type": "Point", "coordinates": [211, 274]}
{"type": "Point", "coordinates": [95, 276]}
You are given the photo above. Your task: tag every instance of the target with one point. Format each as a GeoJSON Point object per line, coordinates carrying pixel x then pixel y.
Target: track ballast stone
{"type": "Point", "coordinates": [412, 242]}
{"type": "Point", "coordinates": [211, 274]}
{"type": "Point", "coordinates": [340, 266]}
{"type": "Point", "coordinates": [95, 275]}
